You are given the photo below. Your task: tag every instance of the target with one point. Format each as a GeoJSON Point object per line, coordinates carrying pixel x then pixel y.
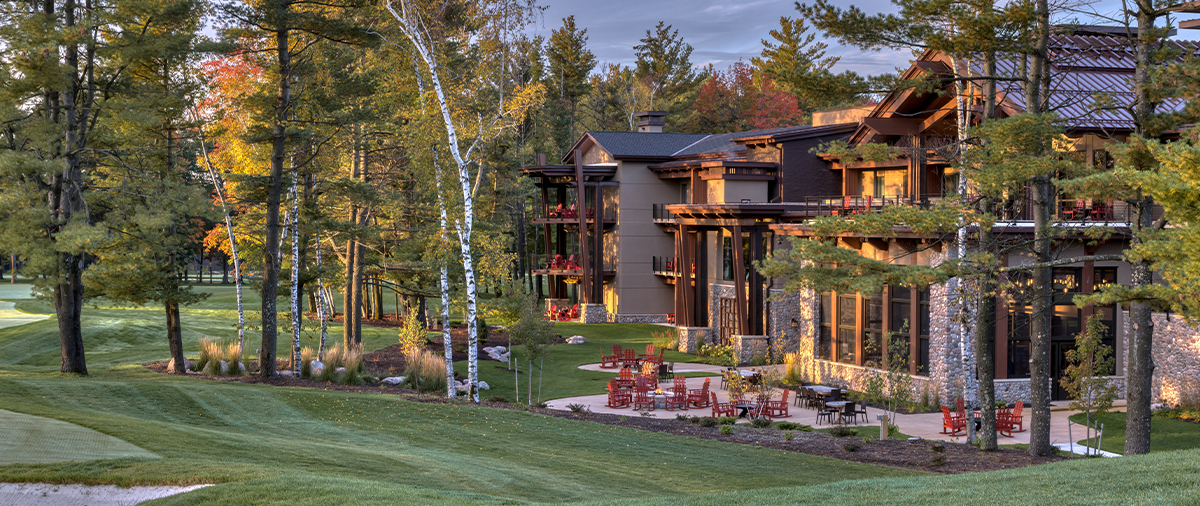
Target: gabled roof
{"type": "Point", "coordinates": [723, 143]}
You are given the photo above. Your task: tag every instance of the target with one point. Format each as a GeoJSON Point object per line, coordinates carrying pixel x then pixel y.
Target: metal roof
{"type": "Point", "coordinates": [644, 144]}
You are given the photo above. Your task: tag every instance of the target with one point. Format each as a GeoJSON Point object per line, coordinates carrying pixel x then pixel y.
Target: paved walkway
{"type": "Point", "coordinates": [43, 494]}
{"type": "Point", "coordinates": [925, 425]}
{"type": "Point", "coordinates": [9, 316]}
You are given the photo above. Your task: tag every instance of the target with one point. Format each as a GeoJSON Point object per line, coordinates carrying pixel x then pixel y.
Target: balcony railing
{"type": "Point", "coordinates": [668, 266]}
{"type": "Point", "coordinates": [570, 213]}
{"type": "Point", "coordinates": [564, 264]}
{"type": "Point", "coordinates": [661, 214]}
{"type": "Point", "coordinates": [1021, 209]}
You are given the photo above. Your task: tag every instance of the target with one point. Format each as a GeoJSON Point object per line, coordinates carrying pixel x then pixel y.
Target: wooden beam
{"type": "Point", "coordinates": [878, 243]}
{"type": "Point", "coordinates": [755, 285]}
{"type": "Point", "coordinates": [853, 242]}
{"type": "Point", "coordinates": [598, 223]}
{"type": "Point", "coordinates": [581, 215]}
{"type": "Point", "coordinates": [739, 280]}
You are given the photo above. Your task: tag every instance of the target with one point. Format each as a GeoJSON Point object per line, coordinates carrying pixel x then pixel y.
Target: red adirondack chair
{"type": "Point", "coordinates": [557, 212]}
{"type": "Point", "coordinates": [575, 311]}
{"type": "Point", "coordinates": [952, 424]}
{"type": "Point", "coordinates": [571, 264]}
{"type": "Point", "coordinates": [591, 213]}
{"type": "Point", "coordinates": [679, 395]}
{"type": "Point", "coordinates": [618, 398]}
{"type": "Point", "coordinates": [1016, 417]}
{"type": "Point", "coordinates": [611, 361]}
{"type": "Point", "coordinates": [776, 409]}
{"type": "Point", "coordinates": [643, 399]}
{"type": "Point", "coordinates": [699, 398]}
{"type": "Point", "coordinates": [570, 213]}
{"type": "Point", "coordinates": [629, 359]}
{"type": "Point", "coordinates": [556, 262]}
{"type": "Point", "coordinates": [552, 313]}
{"type": "Point", "coordinates": [625, 379]}
{"type": "Point", "coordinates": [720, 408]}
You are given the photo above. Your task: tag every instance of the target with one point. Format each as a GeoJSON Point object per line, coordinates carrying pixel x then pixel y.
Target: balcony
{"type": "Point", "coordinates": [567, 215]}
{"type": "Point", "coordinates": [661, 215]}
{"type": "Point", "coordinates": [564, 265]}
{"type": "Point", "coordinates": [668, 268]}
{"type": "Point", "coordinates": [1085, 212]}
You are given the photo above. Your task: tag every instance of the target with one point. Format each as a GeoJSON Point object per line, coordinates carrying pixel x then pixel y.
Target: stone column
{"type": "Point", "coordinates": [593, 313]}
{"type": "Point", "coordinates": [746, 348]}
{"type": "Point", "coordinates": [690, 338]}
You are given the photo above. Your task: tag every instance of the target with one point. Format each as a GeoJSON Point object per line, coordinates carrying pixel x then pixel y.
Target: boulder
{"type": "Point", "coordinates": [484, 386]}
{"type": "Point", "coordinates": [340, 370]}
{"type": "Point", "coordinates": [576, 340]}
{"type": "Point", "coordinates": [286, 374]}
{"type": "Point", "coordinates": [187, 366]}
{"type": "Point", "coordinates": [223, 366]}
{"type": "Point", "coordinates": [393, 380]}
{"type": "Point", "coordinates": [317, 367]}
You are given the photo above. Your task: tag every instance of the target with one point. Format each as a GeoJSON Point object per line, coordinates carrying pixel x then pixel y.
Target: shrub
{"type": "Point", "coordinates": [760, 423]}
{"type": "Point", "coordinates": [352, 361]}
{"type": "Point", "coordinates": [208, 351]}
{"type": "Point", "coordinates": [795, 426]}
{"type": "Point", "coordinates": [788, 436]}
{"type": "Point", "coordinates": [576, 407]}
{"type": "Point", "coordinates": [851, 447]}
{"type": "Point", "coordinates": [426, 371]}
{"type": "Point", "coordinates": [938, 460]}
{"type": "Point", "coordinates": [212, 352]}
{"type": "Point", "coordinates": [307, 354]}
{"type": "Point", "coordinates": [681, 417]}
{"type": "Point", "coordinates": [715, 354]}
{"type": "Point", "coordinates": [412, 332]}
{"type": "Point", "coordinates": [937, 448]}
{"type": "Point", "coordinates": [727, 429]}
{"type": "Point", "coordinates": [333, 356]}
{"type": "Point", "coordinates": [233, 355]}
{"type": "Point", "coordinates": [707, 421]}
{"type": "Point", "coordinates": [727, 420]}
{"type": "Point", "coordinates": [481, 330]}
{"type": "Point", "coordinates": [665, 339]}
{"type": "Point", "coordinates": [840, 431]}
{"type": "Point", "coordinates": [497, 398]}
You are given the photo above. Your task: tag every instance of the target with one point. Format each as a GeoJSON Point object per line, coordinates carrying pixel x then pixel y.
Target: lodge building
{"type": "Point", "coordinates": [657, 227]}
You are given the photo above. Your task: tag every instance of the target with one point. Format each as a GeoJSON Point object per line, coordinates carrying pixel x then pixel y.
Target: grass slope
{"type": "Point", "coordinates": [115, 336]}
{"type": "Point", "coordinates": [563, 378]}
{"type": "Point", "coordinates": [27, 439]}
{"type": "Point", "coordinates": [1166, 435]}
{"type": "Point", "coordinates": [284, 439]}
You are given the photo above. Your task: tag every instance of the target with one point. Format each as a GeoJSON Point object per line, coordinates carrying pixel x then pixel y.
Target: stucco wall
{"type": "Point", "coordinates": [635, 290]}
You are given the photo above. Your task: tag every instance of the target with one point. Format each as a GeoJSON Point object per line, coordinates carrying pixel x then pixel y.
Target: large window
{"type": "Point", "coordinates": [880, 183]}
{"type": "Point", "coordinates": [923, 333]}
{"type": "Point", "coordinates": [873, 329]}
{"type": "Point", "coordinates": [726, 256]}
{"type": "Point", "coordinates": [847, 332]}
{"type": "Point", "coordinates": [824, 345]}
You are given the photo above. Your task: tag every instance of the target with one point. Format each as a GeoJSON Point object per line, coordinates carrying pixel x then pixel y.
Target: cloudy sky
{"type": "Point", "coordinates": [721, 31]}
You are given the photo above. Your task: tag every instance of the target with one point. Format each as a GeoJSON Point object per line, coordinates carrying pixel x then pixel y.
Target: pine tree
{"type": "Point", "coordinates": [664, 63]}
{"type": "Point", "coordinates": [797, 62]}
{"type": "Point", "coordinates": [569, 62]}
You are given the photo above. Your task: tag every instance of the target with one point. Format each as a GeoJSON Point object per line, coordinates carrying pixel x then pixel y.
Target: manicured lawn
{"type": "Point", "coordinates": [287, 441]}
{"type": "Point", "coordinates": [562, 375]}
{"type": "Point", "coordinates": [1163, 478]}
{"type": "Point", "coordinates": [1166, 435]}
{"type": "Point", "coordinates": [115, 336]}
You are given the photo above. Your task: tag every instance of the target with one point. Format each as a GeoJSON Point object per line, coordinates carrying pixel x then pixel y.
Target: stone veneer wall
{"type": "Point", "coordinates": [593, 313]}
{"type": "Point", "coordinates": [1176, 350]}
{"type": "Point", "coordinates": [690, 338]}
{"type": "Point", "coordinates": [748, 348]}
{"type": "Point", "coordinates": [637, 318]}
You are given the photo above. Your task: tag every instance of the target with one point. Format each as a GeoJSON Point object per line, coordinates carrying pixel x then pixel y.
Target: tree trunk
{"type": "Point", "coordinates": [985, 336]}
{"type": "Point", "coordinates": [65, 203]}
{"type": "Point", "coordinates": [1039, 323]}
{"type": "Point", "coordinates": [1140, 359]}
{"type": "Point", "coordinates": [68, 303]}
{"type": "Point", "coordinates": [296, 265]}
{"type": "Point", "coordinates": [271, 250]}
{"type": "Point", "coordinates": [175, 336]}
{"type": "Point", "coordinates": [322, 312]}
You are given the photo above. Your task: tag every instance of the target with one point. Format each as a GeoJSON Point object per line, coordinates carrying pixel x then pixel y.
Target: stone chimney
{"type": "Point", "coordinates": [650, 121]}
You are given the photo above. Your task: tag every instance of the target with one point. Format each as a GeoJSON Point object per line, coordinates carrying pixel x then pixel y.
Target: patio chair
{"type": "Point", "coordinates": [720, 409]}
{"type": "Point", "coordinates": [618, 398]}
{"type": "Point", "coordinates": [570, 213]}
{"type": "Point", "coordinates": [591, 213]}
{"type": "Point", "coordinates": [1016, 417]}
{"type": "Point", "coordinates": [574, 311]}
{"type": "Point", "coordinates": [776, 409]}
{"type": "Point", "coordinates": [678, 398]}
{"type": "Point", "coordinates": [654, 359]}
{"type": "Point", "coordinates": [952, 424]}
{"type": "Point", "coordinates": [609, 361]}
{"type": "Point", "coordinates": [666, 371]}
{"type": "Point", "coordinates": [725, 378]}
{"type": "Point", "coordinates": [629, 359]}
{"type": "Point", "coordinates": [699, 398]}
{"type": "Point", "coordinates": [826, 413]}
{"type": "Point", "coordinates": [862, 411]}
{"type": "Point", "coordinates": [570, 264]}
{"type": "Point", "coordinates": [625, 379]}
{"type": "Point", "coordinates": [1004, 422]}
{"type": "Point", "coordinates": [643, 399]}
{"type": "Point", "coordinates": [848, 412]}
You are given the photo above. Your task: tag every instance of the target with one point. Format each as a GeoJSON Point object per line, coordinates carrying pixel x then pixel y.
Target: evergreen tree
{"type": "Point", "coordinates": [569, 62]}
{"type": "Point", "coordinates": [797, 62]}
{"type": "Point", "coordinates": [664, 64]}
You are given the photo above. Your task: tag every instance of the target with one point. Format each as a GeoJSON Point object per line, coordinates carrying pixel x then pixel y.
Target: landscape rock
{"type": "Point", "coordinates": [484, 386]}
{"type": "Point", "coordinates": [340, 370]}
{"type": "Point", "coordinates": [187, 365]}
{"type": "Point", "coordinates": [224, 366]}
{"type": "Point", "coordinates": [576, 340]}
{"type": "Point", "coordinates": [286, 374]}
{"type": "Point", "coordinates": [317, 367]}
{"type": "Point", "coordinates": [393, 380]}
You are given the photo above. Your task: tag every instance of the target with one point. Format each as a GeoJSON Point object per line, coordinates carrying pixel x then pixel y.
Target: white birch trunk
{"type": "Point", "coordinates": [295, 276]}
{"type": "Point", "coordinates": [448, 342]}
{"type": "Point", "coordinates": [219, 185]}
{"type": "Point", "coordinates": [465, 225]}
{"type": "Point", "coordinates": [966, 349]}
{"type": "Point", "coordinates": [322, 313]}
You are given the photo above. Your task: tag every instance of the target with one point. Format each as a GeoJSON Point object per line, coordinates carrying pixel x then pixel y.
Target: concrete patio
{"type": "Point", "coordinates": [924, 425]}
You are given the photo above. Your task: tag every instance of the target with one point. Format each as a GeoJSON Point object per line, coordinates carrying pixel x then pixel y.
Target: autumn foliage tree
{"type": "Point", "coordinates": [740, 99]}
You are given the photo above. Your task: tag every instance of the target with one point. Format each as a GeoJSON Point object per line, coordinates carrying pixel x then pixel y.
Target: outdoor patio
{"type": "Point", "coordinates": [922, 425]}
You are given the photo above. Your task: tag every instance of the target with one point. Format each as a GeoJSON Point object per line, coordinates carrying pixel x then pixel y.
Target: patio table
{"type": "Point", "coordinates": [823, 390]}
